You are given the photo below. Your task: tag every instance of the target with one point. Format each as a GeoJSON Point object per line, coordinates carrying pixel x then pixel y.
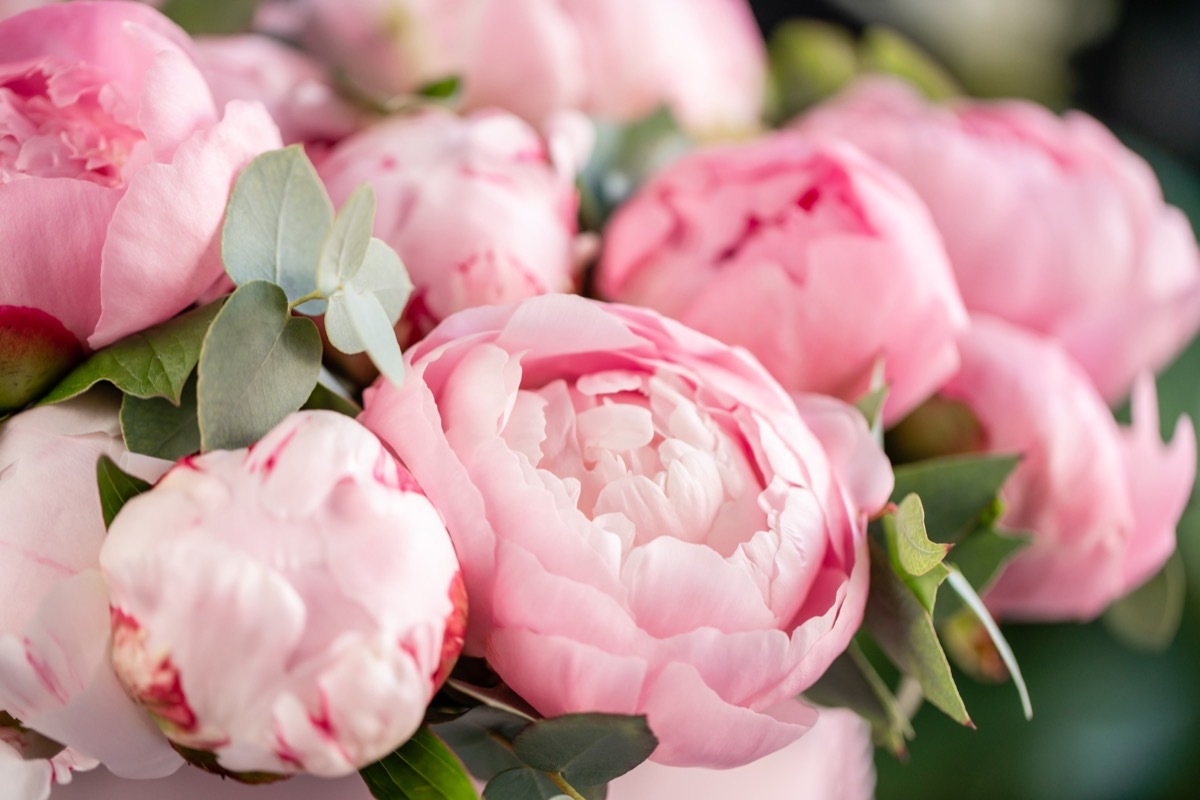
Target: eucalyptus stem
{"type": "Point", "coordinates": [558, 780]}
{"type": "Point", "coordinates": [299, 301]}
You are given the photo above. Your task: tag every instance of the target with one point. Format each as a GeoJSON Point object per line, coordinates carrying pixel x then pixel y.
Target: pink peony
{"type": "Point", "coordinates": [833, 761]}
{"type": "Point", "coordinates": [1101, 501]}
{"type": "Point", "coordinates": [314, 559]}
{"type": "Point", "coordinates": [475, 206]}
{"type": "Point", "coordinates": [294, 87]}
{"type": "Point", "coordinates": [115, 166]}
{"type": "Point", "coordinates": [54, 622]}
{"type": "Point", "coordinates": [1050, 223]}
{"type": "Point", "coordinates": [704, 59]}
{"type": "Point", "coordinates": [814, 258]}
{"type": "Point", "coordinates": [646, 522]}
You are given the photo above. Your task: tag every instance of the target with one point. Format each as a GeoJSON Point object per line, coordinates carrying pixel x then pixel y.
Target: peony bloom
{"type": "Point", "coordinates": [115, 166]}
{"type": "Point", "coordinates": [1050, 223]}
{"type": "Point", "coordinates": [647, 523]}
{"type": "Point", "coordinates": [294, 87]}
{"type": "Point", "coordinates": [194, 784]}
{"type": "Point", "coordinates": [1101, 501]}
{"type": "Point", "coordinates": [475, 206]}
{"type": "Point", "coordinates": [833, 761]}
{"type": "Point", "coordinates": [54, 623]}
{"type": "Point", "coordinates": [313, 557]}
{"type": "Point", "coordinates": [704, 59]}
{"type": "Point", "coordinates": [814, 258]}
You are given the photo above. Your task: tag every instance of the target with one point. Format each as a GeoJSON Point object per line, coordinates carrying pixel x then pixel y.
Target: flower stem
{"type": "Point", "coordinates": [558, 780]}
{"type": "Point", "coordinates": [299, 301]}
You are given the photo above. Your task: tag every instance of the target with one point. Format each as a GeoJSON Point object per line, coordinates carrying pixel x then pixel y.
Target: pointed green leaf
{"type": "Point", "coordinates": [116, 488]}
{"type": "Point", "coordinates": [956, 492]}
{"type": "Point", "coordinates": [421, 769]}
{"type": "Point", "coordinates": [258, 364]}
{"type": "Point", "coordinates": [1149, 617]}
{"type": "Point", "coordinates": [345, 247]}
{"type": "Point", "coordinates": [155, 362]}
{"type": "Point", "coordinates": [155, 427]}
{"type": "Point", "coordinates": [442, 88]}
{"type": "Point", "coordinates": [276, 223]}
{"type": "Point", "coordinates": [852, 682]}
{"type": "Point", "coordinates": [871, 405]}
{"type": "Point", "coordinates": [587, 749]}
{"type": "Point", "coordinates": [959, 584]}
{"type": "Point", "coordinates": [902, 626]}
{"type": "Point", "coordinates": [909, 546]}
{"type": "Point", "coordinates": [980, 557]}
{"type": "Point", "coordinates": [326, 399]}
{"type": "Point", "coordinates": [521, 783]}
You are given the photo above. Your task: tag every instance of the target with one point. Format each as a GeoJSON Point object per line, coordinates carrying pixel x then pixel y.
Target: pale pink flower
{"type": "Point", "coordinates": [647, 523]}
{"type": "Point", "coordinates": [1050, 222]}
{"type": "Point", "coordinates": [703, 59]}
{"type": "Point", "coordinates": [481, 209]}
{"type": "Point", "coordinates": [288, 608]}
{"type": "Point", "coordinates": [1101, 500]}
{"type": "Point", "coordinates": [816, 259]}
{"type": "Point", "coordinates": [115, 167]}
{"type": "Point", "coordinates": [54, 622]}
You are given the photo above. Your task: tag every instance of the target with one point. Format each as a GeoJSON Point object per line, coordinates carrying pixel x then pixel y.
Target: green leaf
{"type": "Point", "coordinates": [956, 491]}
{"type": "Point", "coordinates": [963, 589]}
{"type": "Point", "coordinates": [903, 627]}
{"type": "Point", "coordinates": [521, 783]}
{"type": "Point", "coordinates": [345, 248]}
{"type": "Point", "coordinates": [907, 541]}
{"type": "Point", "coordinates": [116, 488]}
{"type": "Point", "coordinates": [587, 749]}
{"type": "Point", "coordinates": [441, 89]}
{"type": "Point", "coordinates": [258, 364]}
{"type": "Point", "coordinates": [852, 682]}
{"type": "Point", "coordinates": [421, 769]}
{"type": "Point", "coordinates": [980, 557]}
{"type": "Point", "coordinates": [276, 223]}
{"type": "Point", "coordinates": [480, 738]}
{"type": "Point", "coordinates": [885, 50]}
{"type": "Point", "coordinates": [363, 312]}
{"type": "Point", "coordinates": [155, 427]}
{"type": "Point", "coordinates": [871, 406]}
{"type": "Point", "coordinates": [809, 60]}
{"type": "Point", "coordinates": [155, 362]}
{"type": "Point", "coordinates": [209, 18]}
{"type": "Point", "coordinates": [1149, 617]}
{"type": "Point", "coordinates": [325, 399]}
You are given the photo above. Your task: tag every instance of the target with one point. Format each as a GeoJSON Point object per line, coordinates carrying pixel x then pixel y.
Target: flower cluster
{"type": "Point", "coordinates": [431, 448]}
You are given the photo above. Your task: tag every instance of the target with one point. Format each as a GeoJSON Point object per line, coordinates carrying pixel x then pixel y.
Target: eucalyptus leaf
{"type": "Point", "coordinates": [1149, 617]}
{"type": "Point", "coordinates": [258, 364]}
{"type": "Point", "coordinates": [421, 769]}
{"type": "Point", "coordinates": [956, 492]}
{"type": "Point", "coordinates": [345, 247]}
{"type": "Point", "coordinates": [155, 362]}
{"type": "Point", "coordinates": [326, 399]}
{"type": "Point", "coordinates": [276, 223]}
{"type": "Point", "coordinates": [852, 682]}
{"type": "Point", "coordinates": [904, 630]}
{"type": "Point", "coordinates": [587, 749]}
{"type": "Point", "coordinates": [117, 487]}
{"type": "Point", "coordinates": [155, 427]}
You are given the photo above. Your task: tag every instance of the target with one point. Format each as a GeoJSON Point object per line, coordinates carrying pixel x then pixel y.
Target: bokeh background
{"type": "Point", "coordinates": [1109, 721]}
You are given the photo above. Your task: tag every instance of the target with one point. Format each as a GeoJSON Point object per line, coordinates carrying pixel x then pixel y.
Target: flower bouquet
{"type": "Point", "coordinates": [408, 399]}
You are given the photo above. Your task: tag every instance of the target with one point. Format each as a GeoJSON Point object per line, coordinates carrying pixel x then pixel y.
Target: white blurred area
{"type": "Point", "coordinates": [998, 47]}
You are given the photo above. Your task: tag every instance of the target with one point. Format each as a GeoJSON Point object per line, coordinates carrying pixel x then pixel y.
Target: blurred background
{"type": "Point", "coordinates": [1110, 721]}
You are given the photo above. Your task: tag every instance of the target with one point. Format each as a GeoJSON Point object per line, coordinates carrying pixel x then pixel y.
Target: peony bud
{"type": "Point", "coordinates": [287, 608]}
